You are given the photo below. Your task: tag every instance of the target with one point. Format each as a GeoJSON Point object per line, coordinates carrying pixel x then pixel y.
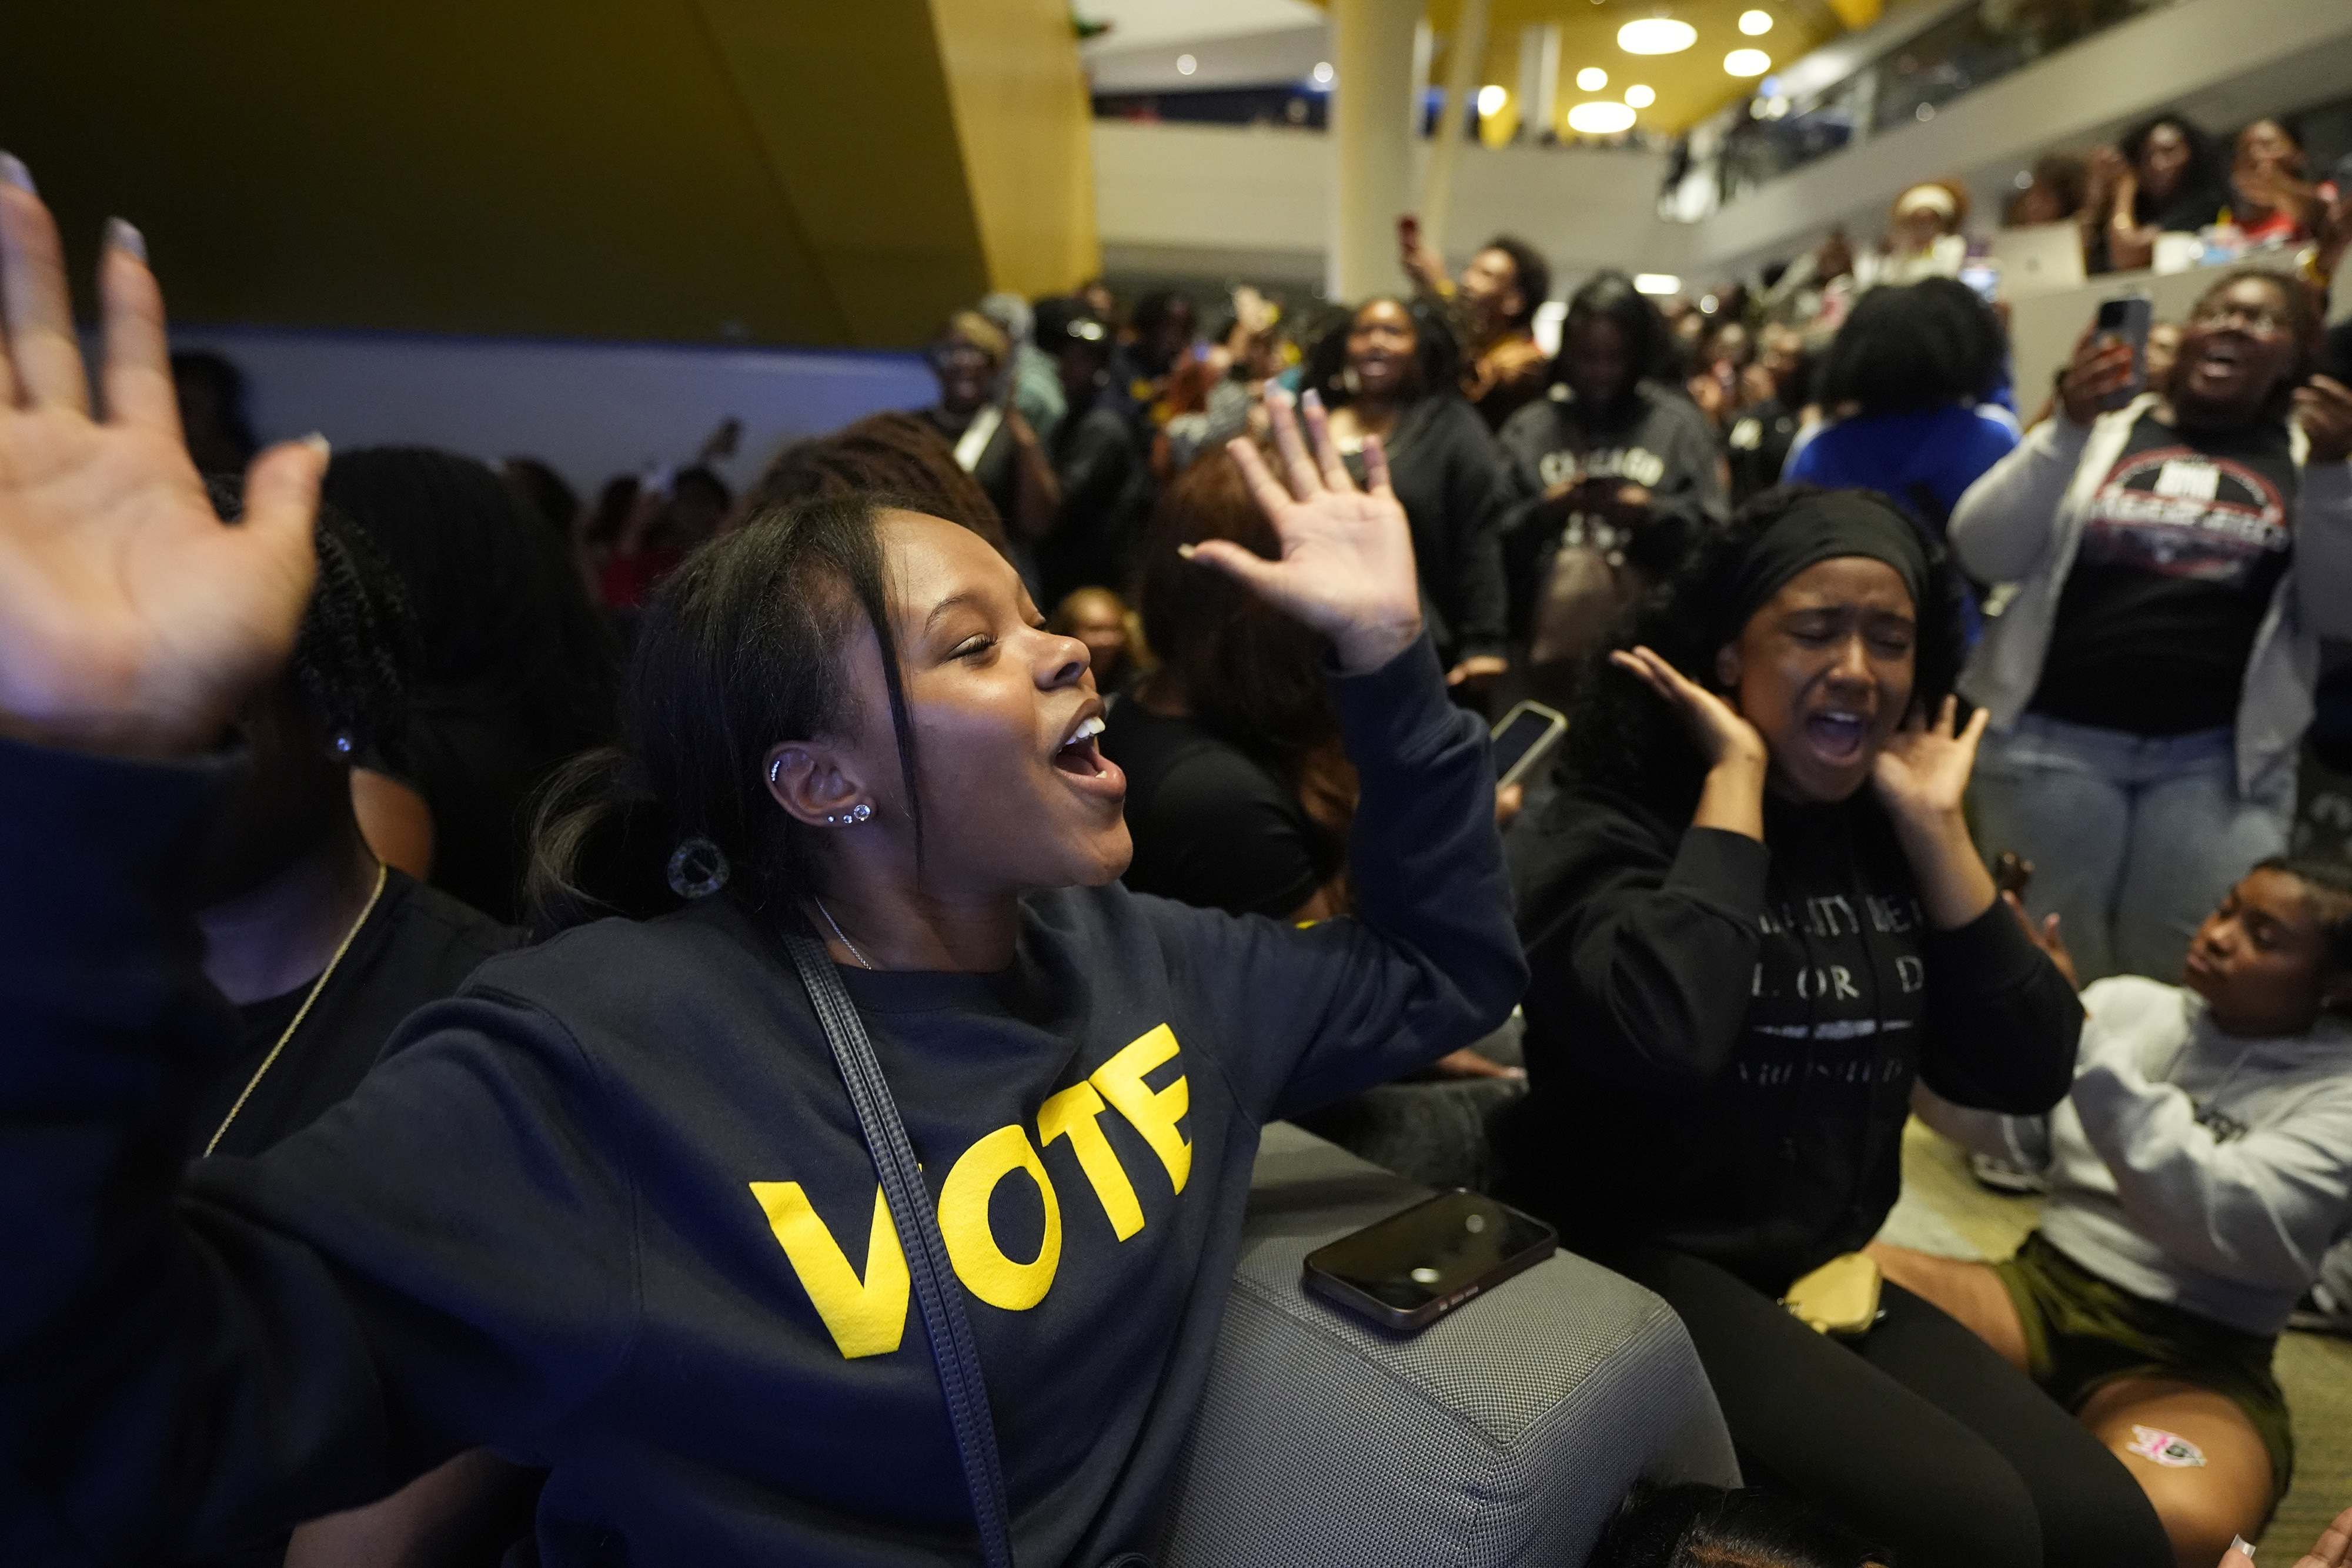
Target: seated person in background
{"type": "Point", "coordinates": [2199, 1170]}
{"type": "Point", "coordinates": [1101, 619]}
{"type": "Point", "coordinates": [2270, 201]}
{"type": "Point", "coordinates": [514, 670]}
{"type": "Point", "coordinates": [2055, 191]}
{"type": "Point", "coordinates": [323, 950]}
{"type": "Point", "coordinates": [902, 455]}
{"type": "Point", "coordinates": [1754, 917]}
{"type": "Point", "coordinates": [1699, 1526]}
{"type": "Point", "coordinates": [993, 442]}
{"type": "Point", "coordinates": [1925, 236]}
{"type": "Point", "coordinates": [1388, 374]}
{"type": "Point", "coordinates": [1239, 792]}
{"type": "Point", "coordinates": [1907, 385]}
{"type": "Point", "coordinates": [2162, 177]}
{"type": "Point", "coordinates": [1609, 479]}
{"type": "Point", "coordinates": [1492, 314]}
{"type": "Point", "coordinates": [2178, 561]}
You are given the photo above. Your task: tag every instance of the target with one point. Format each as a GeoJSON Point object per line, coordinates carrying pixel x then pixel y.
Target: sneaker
{"type": "Point", "coordinates": [1995, 1175]}
{"type": "Point", "coordinates": [2320, 1311]}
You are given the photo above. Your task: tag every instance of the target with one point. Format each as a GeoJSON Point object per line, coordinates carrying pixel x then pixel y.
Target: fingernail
{"type": "Point", "coordinates": [121, 235]}
{"type": "Point", "coordinates": [1185, 550]}
{"type": "Point", "coordinates": [2239, 1543]}
{"type": "Point", "coordinates": [317, 444]}
{"type": "Point", "coordinates": [1313, 398]}
{"type": "Point", "coordinates": [14, 173]}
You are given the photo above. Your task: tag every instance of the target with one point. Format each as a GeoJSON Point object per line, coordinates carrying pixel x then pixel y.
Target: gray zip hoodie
{"type": "Point", "coordinates": [2188, 1166]}
{"type": "Point", "coordinates": [2023, 521]}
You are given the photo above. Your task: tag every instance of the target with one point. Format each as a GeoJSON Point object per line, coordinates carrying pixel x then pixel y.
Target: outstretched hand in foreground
{"type": "Point", "coordinates": [1347, 566]}
{"type": "Point", "coordinates": [2333, 1549]}
{"type": "Point", "coordinates": [133, 621]}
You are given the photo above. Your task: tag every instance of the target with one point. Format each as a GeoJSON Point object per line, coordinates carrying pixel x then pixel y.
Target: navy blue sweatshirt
{"type": "Point", "coordinates": [609, 1212]}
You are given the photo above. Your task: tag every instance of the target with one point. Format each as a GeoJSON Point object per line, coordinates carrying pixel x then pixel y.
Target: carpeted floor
{"type": "Point", "coordinates": [1943, 1210]}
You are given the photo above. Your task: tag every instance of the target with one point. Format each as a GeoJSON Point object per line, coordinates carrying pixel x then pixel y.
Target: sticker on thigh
{"type": "Point", "coordinates": [2170, 1449]}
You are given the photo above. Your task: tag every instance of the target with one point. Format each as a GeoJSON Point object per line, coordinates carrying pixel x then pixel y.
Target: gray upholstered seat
{"type": "Point", "coordinates": [1504, 1435]}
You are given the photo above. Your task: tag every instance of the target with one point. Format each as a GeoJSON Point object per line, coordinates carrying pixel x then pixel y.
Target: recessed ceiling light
{"type": "Point", "coordinates": [1748, 62]}
{"type": "Point", "coordinates": [1491, 99]}
{"type": "Point", "coordinates": [1323, 73]}
{"type": "Point", "coordinates": [1657, 35]}
{"type": "Point", "coordinates": [1755, 24]}
{"type": "Point", "coordinates": [1640, 97]}
{"type": "Point", "coordinates": [1657, 283]}
{"type": "Point", "coordinates": [1186, 65]}
{"type": "Point", "coordinates": [1600, 117]}
{"type": "Point", "coordinates": [1592, 78]}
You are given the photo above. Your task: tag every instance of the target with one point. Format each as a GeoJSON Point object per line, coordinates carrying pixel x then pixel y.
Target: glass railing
{"type": "Point", "coordinates": [1774, 133]}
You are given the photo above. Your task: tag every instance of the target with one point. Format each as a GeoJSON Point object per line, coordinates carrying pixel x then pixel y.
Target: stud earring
{"type": "Point", "coordinates": [851, 818]}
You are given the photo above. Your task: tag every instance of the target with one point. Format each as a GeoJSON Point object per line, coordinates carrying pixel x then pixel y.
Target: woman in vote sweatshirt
{"type": "Point", "coordinates": [608, 1210]}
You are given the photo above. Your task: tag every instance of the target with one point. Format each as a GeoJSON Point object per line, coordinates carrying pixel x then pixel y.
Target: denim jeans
{"type": "Point", "coordinates": [2133, 838]}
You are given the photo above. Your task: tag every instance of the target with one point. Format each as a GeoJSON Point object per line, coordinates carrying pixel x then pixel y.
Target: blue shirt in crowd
{"type": "Point", "coordinates": [1933, 454]}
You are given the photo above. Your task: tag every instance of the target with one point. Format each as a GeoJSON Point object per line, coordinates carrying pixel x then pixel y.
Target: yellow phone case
{"type": "Point", "coordinates": [1839, 1298]}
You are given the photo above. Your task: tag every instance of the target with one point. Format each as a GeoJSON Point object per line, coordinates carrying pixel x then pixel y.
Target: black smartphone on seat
{"type": "Point", "coordinates": [1408, 1271]}
{"type": "Point", "coordinates": [1522, 739]}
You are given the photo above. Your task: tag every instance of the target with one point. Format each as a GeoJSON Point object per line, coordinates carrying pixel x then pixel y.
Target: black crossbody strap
{"type": "Point", "coordinates": [936, 1291]}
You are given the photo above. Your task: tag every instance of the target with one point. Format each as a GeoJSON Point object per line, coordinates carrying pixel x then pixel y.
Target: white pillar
{"type": "Point", "coordinates": [1465, 52]}
{"type": "Point", "coordinates": [1538, 79]}
{"type": "Point", "coordinates": [1371, 143]}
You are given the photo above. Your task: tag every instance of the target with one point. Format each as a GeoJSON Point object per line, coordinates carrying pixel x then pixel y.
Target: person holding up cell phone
{"type": "Point", "coordinates": [2177, 558]}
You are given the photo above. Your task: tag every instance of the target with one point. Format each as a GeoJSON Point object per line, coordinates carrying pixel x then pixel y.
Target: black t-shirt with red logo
{"type": "Point", "coordinates": [2182, 550]}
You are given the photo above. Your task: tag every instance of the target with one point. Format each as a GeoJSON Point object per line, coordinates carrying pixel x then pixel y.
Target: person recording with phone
{"type": "Point", "coordinates": [2179, 554]}
{"type": "Point", "coordinates": [1754, 917]}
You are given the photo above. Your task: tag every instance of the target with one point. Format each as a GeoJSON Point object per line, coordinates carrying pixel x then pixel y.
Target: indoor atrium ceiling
{"type": "Point", "coordinates": [1235, 42]}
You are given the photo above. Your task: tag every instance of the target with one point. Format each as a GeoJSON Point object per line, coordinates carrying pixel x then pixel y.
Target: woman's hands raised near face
{"type": "Point", "coordinates": [132, 621]}
{"type": "Point", "coordinates": [1347, 566]}
{"type": "Point", "coordinates": [1716, 727]}
{"type": "Point", "coordinates": [1923, 770]}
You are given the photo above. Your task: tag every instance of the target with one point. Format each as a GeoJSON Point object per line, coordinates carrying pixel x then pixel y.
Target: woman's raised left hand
{"type": "Point", "coordinates": [1347, 566]}
{"type": "Point", "coordinates": [1924, 770]}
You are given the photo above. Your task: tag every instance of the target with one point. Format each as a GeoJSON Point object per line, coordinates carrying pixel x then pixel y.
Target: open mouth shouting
{"type": "Point", "coordinates": [1080, 760]}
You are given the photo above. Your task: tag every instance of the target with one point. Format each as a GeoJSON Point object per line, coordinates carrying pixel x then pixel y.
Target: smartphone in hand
{"type": "Point", "coordinates": [2125, 319]}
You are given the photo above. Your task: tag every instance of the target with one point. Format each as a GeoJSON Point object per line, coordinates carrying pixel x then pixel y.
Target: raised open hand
{"type": "Point", "coordinates": [1923, 772]}
{"type": "Point", "coordinates": [1347, 566]}
{"type": "Point", "coordinates": [133, 621]}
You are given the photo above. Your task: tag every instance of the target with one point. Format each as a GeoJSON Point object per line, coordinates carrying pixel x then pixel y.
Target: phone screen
{"type": "Point", "coordinates": [1526, 728]}
{"type": "Point", "coordinates": [1433, 1250]}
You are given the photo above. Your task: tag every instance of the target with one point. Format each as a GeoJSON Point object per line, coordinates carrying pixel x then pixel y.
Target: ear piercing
{"type": "Point", "coordinates": [775, 770]}
{"type": "Point", "coordinates": [858, 814]}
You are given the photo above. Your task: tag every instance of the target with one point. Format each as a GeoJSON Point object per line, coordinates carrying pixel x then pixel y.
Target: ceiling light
{"type": "Point", "coordinates": [1748, 62]}
{"type": "Point", "coordinates": [1657, 35]}
{"type": "Point", "coordinates": [1600, 118]}
{"type": "Point", "coordinates": [1657, 283]}
{"type": "Point", "coordinates": [1186, 65]}
{"type": "Point", "coordinates": [1755, 24]}
{"type": "Point", "coordinates": [1640, 97]}
{"type": "Point", "coordinates": [1592, 78]}
{"type": "Point", "coordinates": [1323, 73]}
{"type": "Point", "coordinates": [1491, 99]}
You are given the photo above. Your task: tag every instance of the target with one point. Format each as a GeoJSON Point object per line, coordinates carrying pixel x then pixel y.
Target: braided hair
{"type": "Point", "coordinates": [357, 645]}
{"type": "Point", "coordinates": [900, 453]}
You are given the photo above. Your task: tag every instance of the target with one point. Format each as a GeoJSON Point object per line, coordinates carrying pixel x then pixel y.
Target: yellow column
{"type": "Point", "coordinates": [1371, 143]}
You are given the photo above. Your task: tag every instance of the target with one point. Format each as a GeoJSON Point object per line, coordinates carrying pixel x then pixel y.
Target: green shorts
{"type": "Point", "coordinates": [2082, 1333]}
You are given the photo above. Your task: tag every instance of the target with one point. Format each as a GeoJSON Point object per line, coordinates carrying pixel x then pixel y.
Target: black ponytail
{"type": "Point", "coordinates": [741, 649]}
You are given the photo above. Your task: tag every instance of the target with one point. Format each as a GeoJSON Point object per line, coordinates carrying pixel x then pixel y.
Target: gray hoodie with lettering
{"type": "Point", "coordinates": [2188, 1166]}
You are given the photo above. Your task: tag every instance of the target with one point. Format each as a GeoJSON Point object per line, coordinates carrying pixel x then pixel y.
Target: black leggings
{"type": "Point", "coordinates": [1918, 1437]}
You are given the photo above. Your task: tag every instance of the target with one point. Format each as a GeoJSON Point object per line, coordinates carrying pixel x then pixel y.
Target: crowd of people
{"type": "Point", "coordinates": [425, 1137]}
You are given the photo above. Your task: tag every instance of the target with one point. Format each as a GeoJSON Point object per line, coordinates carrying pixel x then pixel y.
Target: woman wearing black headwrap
{"type": "Point", "coordinates": [1755, 917]}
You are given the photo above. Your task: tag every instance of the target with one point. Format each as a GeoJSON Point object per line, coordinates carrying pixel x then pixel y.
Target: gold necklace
{"type": "Point", "coordinates": [382, 875]}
